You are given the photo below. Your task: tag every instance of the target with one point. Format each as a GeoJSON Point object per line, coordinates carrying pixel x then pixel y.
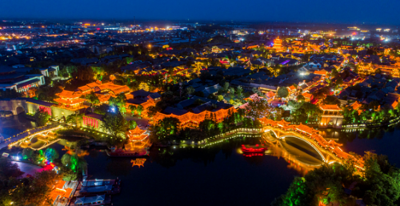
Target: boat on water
{"type": "Point", "coordinates": [258, 148]}
{"type": "Point", "coordinates": [91, 187]}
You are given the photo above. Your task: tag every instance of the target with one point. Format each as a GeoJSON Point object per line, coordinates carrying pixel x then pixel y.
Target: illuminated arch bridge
{"type": "Point", "coordinates": [329, 151]}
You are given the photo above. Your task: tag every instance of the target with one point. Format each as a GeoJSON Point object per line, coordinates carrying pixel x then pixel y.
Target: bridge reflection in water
{"type": "Point", "coordinates": [301, 157]}
{"type": "Point", "coordinates": [329, 151]}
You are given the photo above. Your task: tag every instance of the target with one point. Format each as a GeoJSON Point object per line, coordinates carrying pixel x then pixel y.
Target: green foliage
{"type": "Point", "coordinates": [166, 128]}
{"type": "Point", "coordinates": [27, 153]}
{"type": "Point", "coordinates": [77, 163]}
{"type": "Point", "coordinates": [139, 109]}
{"type": "Point", "coordinates": [51, 154]}
{"type": "Point", "coordinates": [331, 100]}
{"type": "Point", "coordinates": [324, 183]}
{"type": "Point", "coordinates": [92, 98]}
{"type": "Point", "coordinates": [129, 60]}
{"type": "Point", "coordinates": [152, 110]}
{"type": "Point", "coordinates": [132, 124]}
{"type": "Point", "coordinates": [115, 124]}
{"type": "Point", "coordinates": [190, 90]}
{"type": "Point", "coordinates": [75, 119]}
{"type": "Point", "coordinates": [379, 186]}
{"type": "Point", "coordinates": [220, 98]}
{"type": "Point", "coordinates": [283, 92]}
{"type": "Point", "coordinates": [68, 174]}
{"type": "Point", "coordinates": [300, 98]}
{"type": "Point", "coordinates": [66, 159]}
{"type": "Point", "coordinates": [25, 191]}
{"type": "Point", "coordinates": [132, 108]}
{"type": "Point", "coordinates": [383, 182]}
{"type": "Point", "coordinates": [42, 117]}
{"type": "Point", "coordinates": [257, 109]}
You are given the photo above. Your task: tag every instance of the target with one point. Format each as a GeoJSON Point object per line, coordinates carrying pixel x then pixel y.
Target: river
{"type": "Point", "coordinates": [217, 175]}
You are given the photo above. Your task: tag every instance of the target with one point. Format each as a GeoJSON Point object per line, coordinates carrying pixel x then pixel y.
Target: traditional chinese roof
{"type": "Point", "coordinates": [66, 94]}
{"type": "Point", "coordinates": [356, 105]}
{"type": "Point", "coordinates": [292, 88]}
{"type": "Point", "coordinates": [69, 101]}
{"type": "Point", "coordinates": [332, 107]}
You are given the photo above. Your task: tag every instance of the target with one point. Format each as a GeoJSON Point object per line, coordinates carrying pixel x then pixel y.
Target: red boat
{"type": "Point", "coordinates": [253, 148]}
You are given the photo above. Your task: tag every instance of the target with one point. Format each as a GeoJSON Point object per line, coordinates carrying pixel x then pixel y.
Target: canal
{"type": "Point", "coordinates": [215, 175]}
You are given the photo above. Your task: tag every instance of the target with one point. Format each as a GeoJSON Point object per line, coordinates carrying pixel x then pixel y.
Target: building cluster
{"type": "Point", "coordinates": [255, 63]}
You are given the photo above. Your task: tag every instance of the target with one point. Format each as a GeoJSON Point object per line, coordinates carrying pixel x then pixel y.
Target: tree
{"type": "Point", "coordinates": [27, 153]}
{"type": "Point", "coordinates": [166, 127]}
{"type": "Point", "coordinates": [132, 124]}
{"type": "Point", "coordinates": [139, 109]}
{"type": "Point", "coordinates": [220, 98]}
{"type": "Point", "coordinates": [42, 117]}
{"type": "Point", "coordinates": [51, 154]}
{"type": "Point", "coordinates": [300, 98]}
{"type": "Point", "coordinates": [75, 119]}
{"type": "Point", "coordinates": [35, 191]}
{"type": "Point", "coordinates": [68, 174]}
{"type": "Point", "coordinates": [226, 86]}
{"type": "Point", "coordinates": [331, 100]}
{"type": "Point", "coordinates": [114, 124]}
{"type": "Point", "coordinates": [132, 108]}
{"type": "Point", "coordinates": [92, 98]}
{"type": "Point", "coordinates": [283, 92]}
{"type": "Point", "coordinates": [66, 159]}
{"type": "Point", "coordinates": [239, 90]}
{"type": "Point", "coordinates": [190, 90]}
{"type": "Point", "coordinates": [152, 110]}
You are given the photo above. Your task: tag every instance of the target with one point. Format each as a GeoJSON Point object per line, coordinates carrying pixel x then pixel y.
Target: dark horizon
{"type": "Point", "coordinates": [308, 11]}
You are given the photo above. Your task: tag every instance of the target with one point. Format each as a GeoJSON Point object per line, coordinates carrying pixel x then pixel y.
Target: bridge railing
{"type": "Point", "coordinates": [249, 131]}
{"type": "Point", "coordinates": [29, 133]}
{"type": "Point", "coordinates": [318, 141]}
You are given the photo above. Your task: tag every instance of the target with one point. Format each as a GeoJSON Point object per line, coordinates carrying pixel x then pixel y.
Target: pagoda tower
{"type": "Point", "coordinates": [277, 44]}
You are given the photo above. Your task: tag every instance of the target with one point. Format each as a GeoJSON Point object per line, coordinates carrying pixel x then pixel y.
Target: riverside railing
{"type": "Point", "coordinates": [223, 136]}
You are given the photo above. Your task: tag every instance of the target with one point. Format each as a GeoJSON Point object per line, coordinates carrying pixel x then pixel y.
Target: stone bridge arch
{"type": "Point", "coordinates": [308, 143]}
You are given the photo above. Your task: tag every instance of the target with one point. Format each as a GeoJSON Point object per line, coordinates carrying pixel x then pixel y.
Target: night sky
{"type": "Point", "coordinates": [337, 11]}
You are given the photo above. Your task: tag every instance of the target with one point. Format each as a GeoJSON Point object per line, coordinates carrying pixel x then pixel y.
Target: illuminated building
{"type": "Point", "coordinates": [191, 119]}
{"type": "Point", "coordinates": [73, 100]}
{"type": "Point", "coordinates": [138, 140]}
{"type": "Point", "coordinates": [70, 100]}
{"type": "Point", "coordinates": [332, 116]}
{"type": "Point", "coordinates": [18, 79]}
{"type": "Point", "coordinates": [277, 45]}
{"type": "Point", "coordinates": [62, 192]}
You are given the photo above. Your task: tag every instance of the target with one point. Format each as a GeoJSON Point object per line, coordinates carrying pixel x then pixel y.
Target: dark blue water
{"type": "Point", "coordinates": [216, 175]}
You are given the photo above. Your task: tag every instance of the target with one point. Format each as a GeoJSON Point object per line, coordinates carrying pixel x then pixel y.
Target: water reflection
{"type": "Point", "coordinates": [277, 150]}
{"type": "Point", "coordinates": [13, 125]}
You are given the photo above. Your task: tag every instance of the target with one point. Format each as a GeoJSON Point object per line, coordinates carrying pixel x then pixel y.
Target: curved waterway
{"type": "Point", "coordinates": [219, 174]}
